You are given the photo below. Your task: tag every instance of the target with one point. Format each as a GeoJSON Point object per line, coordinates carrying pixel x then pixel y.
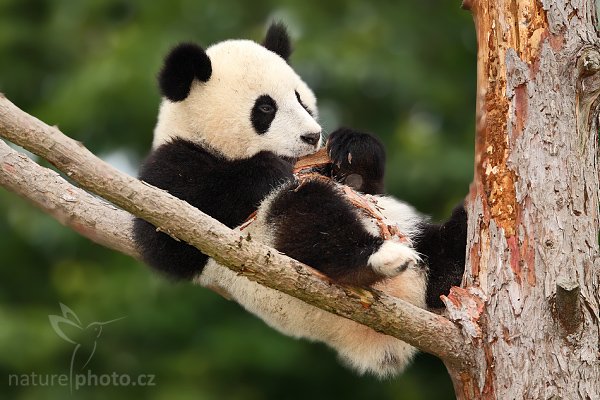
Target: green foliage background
{"type": "Point", "coordinates": [404, 70]}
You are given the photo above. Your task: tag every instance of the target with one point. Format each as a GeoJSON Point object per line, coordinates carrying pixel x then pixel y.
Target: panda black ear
{"type": "Point", "coordinates": [184, 63]}
{"type": "Point", "coordinates": [278, 40]}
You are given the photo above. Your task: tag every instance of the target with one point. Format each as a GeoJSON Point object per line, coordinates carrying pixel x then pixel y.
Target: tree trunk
{"type": "Point", "coordinates": [533, 265]}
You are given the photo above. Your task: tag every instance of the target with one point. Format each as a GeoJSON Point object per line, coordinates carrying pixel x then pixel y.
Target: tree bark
{"type": "Point", "coordinates": [533, 255]}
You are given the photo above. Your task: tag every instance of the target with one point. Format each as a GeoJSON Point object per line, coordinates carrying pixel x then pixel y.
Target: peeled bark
{"type": "Point", "coordinates": [533, 258]}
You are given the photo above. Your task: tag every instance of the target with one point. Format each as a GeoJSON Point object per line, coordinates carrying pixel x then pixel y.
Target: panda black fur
{"type": "Point", "coordinates": [233, 120]}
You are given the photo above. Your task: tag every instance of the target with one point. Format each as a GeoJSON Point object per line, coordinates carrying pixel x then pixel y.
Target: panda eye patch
{"type": "Point", "coordinates": [263, 113]}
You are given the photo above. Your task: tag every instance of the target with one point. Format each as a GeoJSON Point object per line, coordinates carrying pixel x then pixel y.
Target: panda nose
{"type": "Point", "coordinates": [311, 138]}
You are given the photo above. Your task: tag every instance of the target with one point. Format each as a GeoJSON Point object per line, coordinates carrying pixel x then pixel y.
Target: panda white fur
{"type": "Point", "coordinates": [233, 120]}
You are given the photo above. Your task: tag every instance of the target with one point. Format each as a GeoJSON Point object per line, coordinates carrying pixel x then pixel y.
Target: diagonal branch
{"type": "Point", "coordinates": [90, 216]}
{"type": "Point", "coordinates": [427, 331]}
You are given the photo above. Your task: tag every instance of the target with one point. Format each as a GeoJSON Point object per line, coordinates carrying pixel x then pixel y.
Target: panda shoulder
{"type": "Point", "coordinates": [177, 157]}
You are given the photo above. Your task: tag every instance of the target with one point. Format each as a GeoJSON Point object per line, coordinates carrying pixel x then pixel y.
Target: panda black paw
{"type": "Point", "coordinates": [358, 160]}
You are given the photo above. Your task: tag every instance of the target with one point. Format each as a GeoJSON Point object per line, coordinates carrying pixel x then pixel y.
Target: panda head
{"type": "Point", "coordinates": [238, 98]}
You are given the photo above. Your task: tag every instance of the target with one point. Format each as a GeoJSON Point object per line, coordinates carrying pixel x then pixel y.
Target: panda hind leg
{"type": "Point", "coordinates": [314, 224]}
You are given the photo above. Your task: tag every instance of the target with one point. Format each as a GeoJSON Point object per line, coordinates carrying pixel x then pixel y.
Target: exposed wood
{"type": "Point", "coordinates": [425, 330]}
{"type": "Point", "coordinates": [533, 234]}
{"type": "Point", "coordinates": [318, 159]}
{"type": "Point", "coordinates": [465, 306]}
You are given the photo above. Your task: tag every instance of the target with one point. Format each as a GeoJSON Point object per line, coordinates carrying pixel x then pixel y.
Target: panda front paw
{"type": "Point", "coordinates": [392, 258]}
{"type": "Point", "coordinates": [358, 160]}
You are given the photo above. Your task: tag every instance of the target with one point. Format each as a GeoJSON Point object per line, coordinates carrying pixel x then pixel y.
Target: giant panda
{"type": "Point", "coordinates": [233, 120]}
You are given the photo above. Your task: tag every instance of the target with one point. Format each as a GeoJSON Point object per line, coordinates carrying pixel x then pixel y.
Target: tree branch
{"type": "Point", "coordinates": [427, 331]}
{"type": "Point", "coordinates": [90, 216]}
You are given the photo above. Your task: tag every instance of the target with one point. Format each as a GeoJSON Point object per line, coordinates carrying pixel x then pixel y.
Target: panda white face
{"type": "Point", "coordinates": [242, 98]}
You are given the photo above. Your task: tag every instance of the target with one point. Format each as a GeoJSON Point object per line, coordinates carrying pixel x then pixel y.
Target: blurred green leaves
{"type": "Point", "coordinates": [403, 70]}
